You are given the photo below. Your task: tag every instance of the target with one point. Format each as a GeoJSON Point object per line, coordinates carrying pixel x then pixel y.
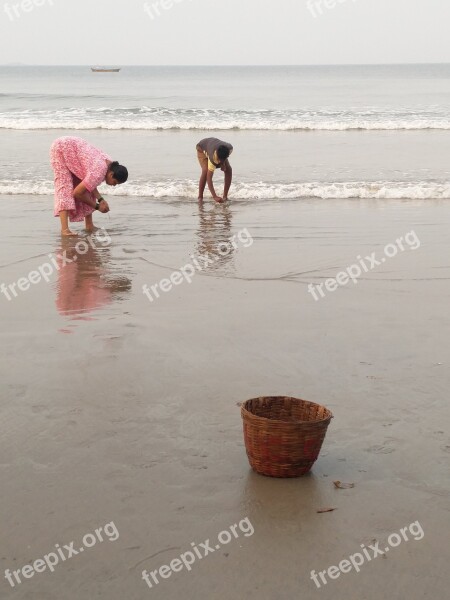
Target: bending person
{"type": "Point", "coordinates": [79, 169]}
{"type": "Point", "coordinates": [212, 154]}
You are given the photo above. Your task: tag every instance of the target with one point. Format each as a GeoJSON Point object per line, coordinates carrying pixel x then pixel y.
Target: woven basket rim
{"type": "Point", "coordinates": [245, 412]}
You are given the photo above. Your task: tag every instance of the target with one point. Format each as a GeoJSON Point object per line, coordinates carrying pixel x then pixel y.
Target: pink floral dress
{"type": "Point", "coordinates": [73, 161]}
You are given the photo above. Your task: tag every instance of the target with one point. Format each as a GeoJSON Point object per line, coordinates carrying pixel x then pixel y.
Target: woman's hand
{"type": "Point", "coordinates": [104, 206]}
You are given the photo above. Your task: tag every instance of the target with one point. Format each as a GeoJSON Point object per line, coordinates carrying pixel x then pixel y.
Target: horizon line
{"type": "Point", "coordinates": [123, 65]}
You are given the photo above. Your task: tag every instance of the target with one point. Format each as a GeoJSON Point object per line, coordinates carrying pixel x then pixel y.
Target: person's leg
{"type": "Point", "coordinates": [64, 217]}
{"type": "Point", "coordinates": [89, 222]}
{"type": "Point", "coordinates": [64, 201]}
{"type": "Point", "coordinates": [204, 166]}
{"type": "Point", "coordinates": [228, 180]}
{"type": "Point", "coordinates": [202, 184]}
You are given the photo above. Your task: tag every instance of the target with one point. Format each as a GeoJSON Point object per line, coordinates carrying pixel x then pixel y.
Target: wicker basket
{"type": "Point", "coordinates": [283, 435]}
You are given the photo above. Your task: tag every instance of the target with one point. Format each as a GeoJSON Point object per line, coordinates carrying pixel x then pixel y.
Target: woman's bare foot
{"type": "Point", "coordinates": [68, 233]}
{"type": "Point", "coordinates": [92, 229]}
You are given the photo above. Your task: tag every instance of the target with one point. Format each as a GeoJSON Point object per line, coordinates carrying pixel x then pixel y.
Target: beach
{"type": "Point", "coordinates": [325, 278]}
{"type": "Point", "coordinates": [127, 411]}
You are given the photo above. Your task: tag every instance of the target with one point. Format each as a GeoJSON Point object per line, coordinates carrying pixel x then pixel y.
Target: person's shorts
{"type": "Point", "coordinates": [203, 160]}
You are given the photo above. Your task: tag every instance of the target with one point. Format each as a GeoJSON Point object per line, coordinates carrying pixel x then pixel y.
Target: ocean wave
{"type": "Point", "coordinates": [381, 190]}
{"type": "Point", "coordinates": [145, 118]}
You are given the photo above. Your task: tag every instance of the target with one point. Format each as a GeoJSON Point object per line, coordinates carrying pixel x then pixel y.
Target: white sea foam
{"type": "Point", "coordinates": [257, 190]}
{"type": "Point", "coordinates": [145, 118]}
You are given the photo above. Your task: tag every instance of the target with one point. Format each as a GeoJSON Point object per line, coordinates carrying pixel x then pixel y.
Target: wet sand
{"type": "Point", "coordinates": [118, 409]}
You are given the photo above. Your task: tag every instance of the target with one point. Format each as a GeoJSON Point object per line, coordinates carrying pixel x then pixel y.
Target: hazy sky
{"type": "Point", "coordinates": [204, 32]}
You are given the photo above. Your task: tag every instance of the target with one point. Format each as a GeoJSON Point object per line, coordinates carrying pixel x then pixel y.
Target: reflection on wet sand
{"type": "Point", "coordinates": [85, 280]}
{"type": "Point", "coordinates": [215, 224]}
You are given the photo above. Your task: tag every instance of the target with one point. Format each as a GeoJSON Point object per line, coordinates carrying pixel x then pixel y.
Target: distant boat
{"type": "Point", "coordinates": [104, 70]}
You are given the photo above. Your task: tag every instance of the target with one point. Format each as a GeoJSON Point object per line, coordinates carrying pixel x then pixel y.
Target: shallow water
{"type": "Point", "coordinates": [298, 132]}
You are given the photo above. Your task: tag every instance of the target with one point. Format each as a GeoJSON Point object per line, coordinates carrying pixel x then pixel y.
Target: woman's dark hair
{"type": "Point", "coordinates": [120, 173]}
{"type": "Point", "coordinates": [223, 152]}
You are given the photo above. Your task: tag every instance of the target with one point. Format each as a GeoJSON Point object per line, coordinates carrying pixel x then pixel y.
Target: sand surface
{"type": "Point", "coordinates": [116, 409]}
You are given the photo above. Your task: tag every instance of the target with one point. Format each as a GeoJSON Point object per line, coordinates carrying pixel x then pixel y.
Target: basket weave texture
{"type": "Point", "coordinates": [283, 435]}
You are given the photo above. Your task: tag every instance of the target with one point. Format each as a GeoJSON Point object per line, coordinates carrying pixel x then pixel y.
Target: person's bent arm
{"type": "Point", "coordinates": [103, 205]}
{"type": "Point", "coordinates": [81, 193]}
{"type": "Point", "coordinates": [209, 180]}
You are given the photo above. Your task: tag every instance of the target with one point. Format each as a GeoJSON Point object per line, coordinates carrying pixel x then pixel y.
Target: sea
{"type": "Point", "coordinates": [331, 132]}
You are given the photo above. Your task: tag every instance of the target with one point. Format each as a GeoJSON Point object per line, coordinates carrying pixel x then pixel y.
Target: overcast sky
{"type": "Point", "coordinates": [231, 32]}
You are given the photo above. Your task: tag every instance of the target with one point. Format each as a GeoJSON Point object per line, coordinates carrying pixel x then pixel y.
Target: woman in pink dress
{"type": "Point", "coordinates": [79, 169]}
